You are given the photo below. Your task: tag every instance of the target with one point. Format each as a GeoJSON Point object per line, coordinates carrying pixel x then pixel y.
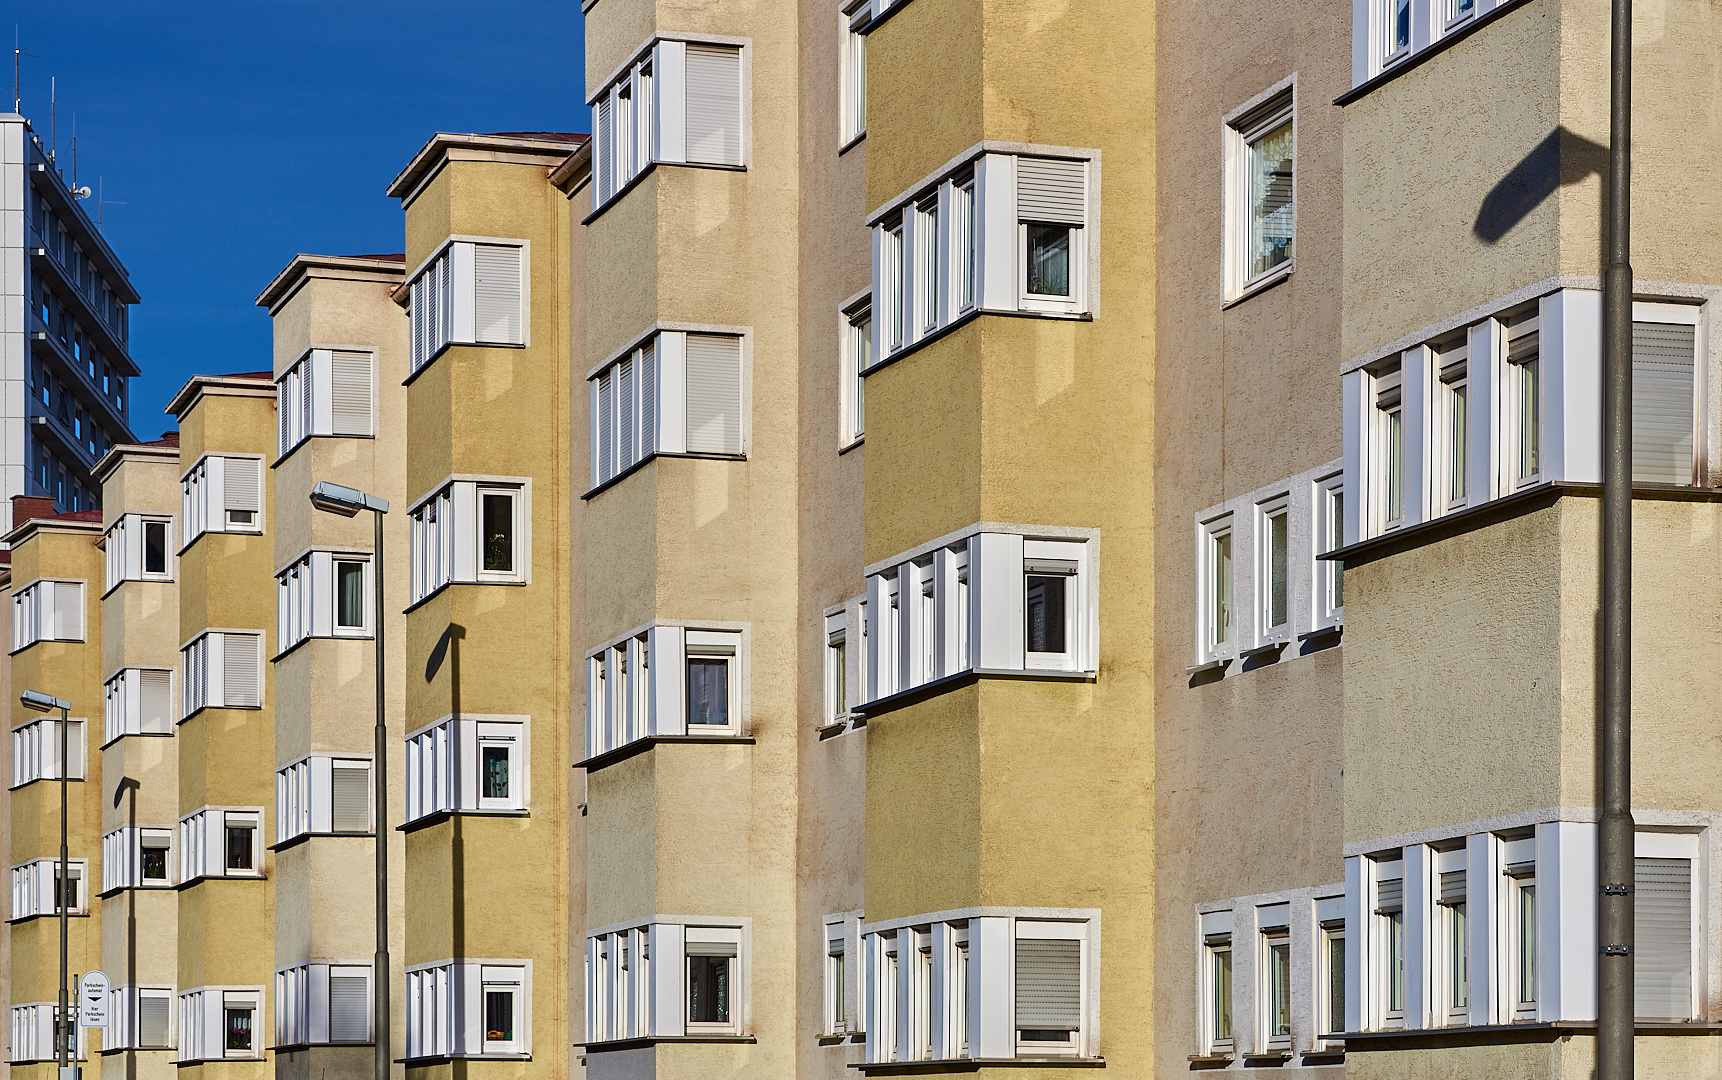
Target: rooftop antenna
{"type": "Point", "coordinates": [53, 121]}
{"type": "Point", "coordinates": [101, 202]}
{"type": "Point", "coordinates": [17, 66]}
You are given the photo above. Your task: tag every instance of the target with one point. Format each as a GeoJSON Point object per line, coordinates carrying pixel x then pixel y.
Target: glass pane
{"type": "Point", "coordinates": [1337, 526]}
{"type": "Point", "coordinates": [239, 847]}
{"type": "Point", "coordinates": [1270, 226]}
{"type": "Point", "coordinates": [499, 533]}
{"type": "Point", "coordinates": [839, 677]}
{"type": "Point", "coordinates": [155, 547]}
{"type": "Point", "coordinates": [1279, 979]}
{"type": "Point", "coordinates": [708, 989]}
{"type": "Point", "coordinates": [863, 335]}
{"type": "Point", "coordinates": [238, 1029]}
{"type": "Point", "coordinates": [1048, 260]}
{"type": "Point", "coordinates": [1396, 962]}
{"type": "Point", "coordinates": [1530, 418]}
{"type": "Point", "coordinates": [1528, 943]}
{"type": "Point", "coordinates": [1221, 980]}
{"type": "Point", "coordinates": [1222, 613]}
{"type": "Point", "coordinates": [837, 1003]}
{"type": "Point", "coordinates": [708, 691]}
{"type": "Point", "coordinates": [1458, 9]}
{"type": "Point", "coordinates": [1459, 957]}
{"type": "Point", "coordinates": [1458, 464]}
{"type": "Point", "coordinates": [1045, 609]}
{"type": "Point", "coordinates": [350, 594]}
{"type": "Point", "coordinates": [1393, 471]}
{"type": "Point", "coordinates": [1336, 983]}
{"type": "Point", "coordinates": [499, 1016]}
{"type": "Point", "coordinates": [1277, 570]}
{"type": "Point", "coordinates": [495, 770]}
{"type": "Point", "coordinates": [1399, 32]}
{"type": "Point", "coordinates": [154, 864]}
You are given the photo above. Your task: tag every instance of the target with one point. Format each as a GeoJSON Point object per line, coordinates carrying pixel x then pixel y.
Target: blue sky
{"type": "Point", "coordinates": [228, 136]}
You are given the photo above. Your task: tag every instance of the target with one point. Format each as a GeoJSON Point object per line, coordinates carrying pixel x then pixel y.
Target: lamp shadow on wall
{"type": "Point", "coordinates": [447, 649]}
{"type": "Point", "coordinates": [1562, 158]}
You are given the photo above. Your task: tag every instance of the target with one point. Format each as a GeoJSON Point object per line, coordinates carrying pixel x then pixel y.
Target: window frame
{"type": "Point", "coordinates": [1050, 566]}
{"type": "Point", "coordinates": [1388, 983]}
{"type": "Point", "coordinates": [1275, 942]}
{"type": "Point", "coordinates": [1450, 958]}
{"type": "Point", "coordinates": [856, 359]}
{"type": "Point", "coordinates": [1277, 508]}
{"type": "Point", "coordinates": [1388, 49]}
{"type": "Point", "coordinates": [1520, 919]}
{"type": "Point", "coordinates": [1243, 128]}
{"type": "Point", "coordinates": [1450, 464]}
{"type": "Point", "coordinates": [835, 654]}
{"type": "Point", "coordinates": [1328, 933]}
{"type": "Point", "coordinates": [1387, 446]}
{"type": "Point", "coordinates": [852, 20]}
{"type": "Point", "coordinates": [517, 531]}
{"type": "Point", "coordinates": [733, 978]}
{"type": "Point", "coordinates": [1329, 574]}
{"type": "Point", "coordinates": [1686, 314]}
{"type": "Point", "coordinates": [707, 649]}
{"type": "Point", "coordinates": [1515, 375]}
{"type": "Point", "coordinates": [1213, 536]}
{"type": "Point", "coordinates": [1217, 956]}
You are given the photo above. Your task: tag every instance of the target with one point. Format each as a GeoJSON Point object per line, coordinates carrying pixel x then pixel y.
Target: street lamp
{"type": "Point", "coordinates": [347, 502]}
{"type": "Point", "coordinates": [37, 701]}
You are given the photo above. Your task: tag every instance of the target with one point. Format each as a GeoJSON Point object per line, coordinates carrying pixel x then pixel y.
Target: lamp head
{"type": "Point", "coordinates": [40, 702]}
{"type": "Point", "coordinates": [346, 501]}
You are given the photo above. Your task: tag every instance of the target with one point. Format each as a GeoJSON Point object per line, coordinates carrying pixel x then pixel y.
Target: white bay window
{"type": "Point", "coordinates": [139, 701]}
{"type": "Point", "coordinates": [221, 842]}
{"type": "Point", "coordinates": [137, 857]}
{"type": "Point", "coordinates": [223, 670]}
{"type": "Point", "coordinates": [473, 530]}
{"type": "Point", "coordinates": [323, 1004]}
{"type": "Point", "coordinates": [138, 547]}
{"type": "Point", "coordinates": [469, 765]}
{"type": "Point", "coordinates": [676, 103]}
{"type": "Point", "coordinates": [676, 392]}
{"type": "Point", "coordinates": [36, 750]}
{"type": "Point", "coordinates": [322, 795]}
{"type": "Point", "coordinates": [466, 1009]}
{"type": "Point", "coordinates": [473, 291]}
{"type": "Point", "coordinates": [140, 1018]}
{"type": "Point", "coordinates": [47, 610]}
{"type": "Point", "coordinates": [664, 680]}
{"type": "Point", "coordinates": [222, 493]}
{"type": "Point", "coordinates": [650, 979]}
{"type": "Point", "coordinates": [39, 889]}
{"type": "Point", "coordinates": [324, 594]}
{"type": "Point", "coordinates": [326, 392]}
{"type": "Point", "coordinates": [220, 1022]}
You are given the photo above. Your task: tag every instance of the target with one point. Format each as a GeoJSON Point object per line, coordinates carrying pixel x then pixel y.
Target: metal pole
{"type": "Point", "coordinates": [63, 1023]}
{"type": "Point", "coordinates": [1615, 1007]}
{"type": "Point", "coordinates": [379, 777]}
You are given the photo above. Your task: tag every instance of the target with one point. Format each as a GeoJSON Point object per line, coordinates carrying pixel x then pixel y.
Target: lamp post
{"type": "Point", "coordinates": [63, 1029]}
{"type": "Point", "coordinates": [347, 502]}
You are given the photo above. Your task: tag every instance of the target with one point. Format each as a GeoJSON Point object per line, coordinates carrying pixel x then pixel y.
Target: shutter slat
{"type": "Point", "coordinates": [1049, 985]}
{"type": "Point", "coordinates": [714, 394]}
{"type": "Point", "coordinates": [1389, 896]}
{"type": "Point", "coordinates": [714, 104]}
{"type": "Point", "coordinates": [496, 302]}
{"type": "Point", "coordinates": [1662, 927]}
{"type": "Point", "coordinates": [349, 1009]}
{"type": "Point", "coordinates": [350, 393]}
{"type": "Point", "coordinates": [155, 701]}
{"type": "Point", "coordinates": [242, 485]}
{"type": "Point", "coordinates": [1662, 381]}
{"type": "Point", "coordinates": [649, 400]}
{"type": "Point", "coordinates": [240, 671]}
{"type": "Point", "coordinates": [1051, 191]}
{"type": "Point", "coordinates": [1453, 887]}
{"type": "Point", "coordinates": [350, 798]}
{"type": "Point", "coordinates": [152, 1020]}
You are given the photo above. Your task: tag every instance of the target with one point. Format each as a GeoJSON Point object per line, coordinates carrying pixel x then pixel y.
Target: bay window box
{"type": "Point", "coordinates": [47, 610]}
{"type": "Point", "coordinates": [138, 547]}
{"type": "Point", "coordinates": [665, 680]}
{"type": "Point", "coordinates": [325, 392]}
{"type": "Point", "coordinates": [322, 795]}
{"type": "Point", "coordinates": [323, 1004]}
{"type": "Point", "coordinates": [36, 750]}
{"type": "Point", "coordinates": [137, 858]}
{"type": "Point", "coordinates": [473, 530]}
{"type": "Point", "coordinates": [473, 764]}
{"type": "Point", "coordinates": [217, 1023]}
{"type": "Point", "coordinates": [467, 1009]}
{"type": "Point", "coordinates": [667, 980]}
{"type": "Point", "coordinates": [223, 670]}
{"type": "Point", "coordinates": [471, 291]}
{"type": "Point", "coordinates": [323, 594]}
{"type": "Point", "coordinates": [221, 842]}
{"type": "Point", "coordinates": [676, 393]}
{"type": "Point", "coordinates": [140, 1018]}
{"type": "Point", "coordinates": [675, 102]}
{"type": "Point", "coordinates": [138, 701]}
{"type": "Point", "coordinates": [39, 889]}
{"type": "Point", "coordinates": [222, 493]}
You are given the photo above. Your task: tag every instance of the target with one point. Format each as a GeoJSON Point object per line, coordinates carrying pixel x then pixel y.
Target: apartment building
{"type": "Point", "coordinates": [492, 288]}
{"type": "Point", "coordinates": [64, 321]}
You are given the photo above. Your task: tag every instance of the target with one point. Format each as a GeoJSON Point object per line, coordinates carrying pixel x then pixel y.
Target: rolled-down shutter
{"type": "Point", "coordinates": [1453, 887]}
{"type": "Point", "coordinates": [606, 437]}
{"type": "Point", "coordinates": [350, 393]}
{"type": "Point", "coordinates": [1048, 985]}
{"type": "Point", "coordinates": [349, 1005]}
{"type": "Point", "coordinates": [155, 706]}
{"type": "Point", "coordinates": [68, 601]}
{"type": "Point", "coordinates": [242, 485]}
{"type": "Point", "coordinates": [604, 152]}
{"type": "Point", "coordinates": [1389, 896]}
{"type": "Point", "coordinates": [714, 104]}
{"type": "Point", "coordinates": [350, 791]}
{"type": "Point", "coordinates": [649, 400]}
{"type": "Point", "coordinates": [1662, 370]}
{"type": "Point", "coordinates": [714, 394]}
{"type": "Point", "coordinates": [153, 1018]}
{"type": "Point", "coordinates": [242, 671]}
{"type": "Point", "coordinates": [1051, 191]}
{"type": "Point", "coordinates": [1662, 926]}
{"type": "Point", "coordinates": [626, 448]}
{"type": "Point", "coordinates": [496, 299]}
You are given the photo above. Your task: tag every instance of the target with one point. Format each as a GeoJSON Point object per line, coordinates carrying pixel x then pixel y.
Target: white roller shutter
{"type": "Point", "coordinates": [604, 152]}
{"type": "Point", "coordinates": [626, 450]}
{"type": "Point", "coordinates": [1662, 927]}
{"type": "Point", "coordinates": [349, 1004]}
{"type": "Point", "coordinates": [155, 707]}
{"type": "Point", "coordinates": [497, 293]}
{"type": "Point", "coordinates": [350, 795]}
{"type": "Point", "coordinates": [242, 671]}
{"type": "Point", "coordinates": [1662, 369]}
{"type": "Point", "coordinates": [242, 485]}
{"type": "Point", "coordinates": [68, 610]}
{"type": "Point", "coordinates": [714, 394]}
{"type": "Point", "coordinates": [1051, 191]}
{"type": "Point", "coordinates": [714, 104]}
{"type": "Point", "coordinates": [1048, 985]}
{"type": "Point", "coordinates": [153, 1018]}
{"type": "Point", "coordinates": [350, 393]}
{"type": "Point", "coordinates": [606, 439]}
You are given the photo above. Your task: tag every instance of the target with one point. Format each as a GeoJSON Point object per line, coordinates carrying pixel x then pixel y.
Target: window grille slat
{"type": "Point", "coordinates": [497, 293]}
{"type": "Point", "coordinates": [1389, 896]}
{"type": "Point", "coordinates": [349, 1008]}
{"type": "Point", "coordinates": [1051, 191]}
{"type": "Point", "coordinates": [1662, 387]}
{"type": "Point", "coordinates": [350, 791]}
{"type": "Point", "coordinates": [714, 104]}
{"type": "Point", "coordinates": [241, 671]}
{"type": "Point", "coordinates": [1453, 887]}
{"type": "Point", "coordinates": [1049, 984]}
{"type": "Point", "coordinates": [1662, 927]}
{"type": "Point", "coordinates": [350, 393]}
{"type": "Point", "coordinates": [714, 394]}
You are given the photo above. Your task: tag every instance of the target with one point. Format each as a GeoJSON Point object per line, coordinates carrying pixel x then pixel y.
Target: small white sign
{"type": "Point", "coordinates": [93, 1000]}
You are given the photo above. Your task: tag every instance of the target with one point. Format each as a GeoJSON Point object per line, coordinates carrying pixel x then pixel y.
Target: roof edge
{"type": "Point", "coordinates": [198, 384]}
{"type": "Point", "coordinates": [428, 156]}
{"type": "Point", "coordinates": [299, 267]}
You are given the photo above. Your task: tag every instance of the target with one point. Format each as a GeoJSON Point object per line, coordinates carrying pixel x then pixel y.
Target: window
{"type": "Point", "coordinates": [217, 1023]}
{"type": "Point", "coordinates": [37, 888]}
{"type": "Point", "coordinates": [327, 392]}
{"type": "Point", "coordinates": [471, 531]}
{"type": "Point", "coordinates": [1388, 423]}
{"type": "Point", "coordinates": [469, 293]}
{"type": "Point", "coordinates": [842, 936]}
{"type": "Point", "coordinates": [1050, 604]}
{"type": "Point", "coordinates": [677, 103]}
{"type": "Point", "coordinates": [139, 701]}
{"type": "Point", "coordinates": [503, 1002]}
{"type": "Point", "coordinates": [676, 393]}
{"type": "Point", "coordinates": [140, 1018]}
{"type": "Point", "coordinates": [1519, 896]}
{"type": "Point", "coordinates": [219, 842]}
{"type": "Point", "coordinates": [1215, 576]}
{"type": "Point", "coordinates": [963, 268]}
{"type": "Point", "coordinates": [1389, 920]}
{"type": "Point", "coordinates": [321, 1004]}
{"type": "Point", "coordinates": [1043, 1009]}
{"type": "Point", "coordinates": [1664, 393]}
{"type": "Point", "coordinates": [851, 23]}
{"type": "Point", "coordinates": [47, 611]}
{"type": "Point", "coordinates": [666, 980]}
{"type": "Point", "coordinates": [36, 750]}
{"type": "Point", "coordinates": [857, 358]}
{"type": "Point", "coordinates": [895, 271]}
{"type": "Point", "coordinates": [137, 858]}
{"type": "Point", "coordinates": [223, 670]}
{"type": "Point", "coordinates": [1452, 965]}
{"type": "Point", "coordinates": [1217, 994]}
{"type": "Point", "coordinates": [663, 680]}
{"type": "Point", "coordinates": [1665, 949]}
{"type": "Point", "coordinates": [711, 972]}
{"type": "Point", "coordinates": [222, 493]}
{"type": "Point", "coordinates": [1272, 570]}
{"type": "Point", "coordinates": [33, 1034]}
{"type": "Point", "coordinates": [1332, 967]}
{"type": "Point", "coordinates": [1523, 398]}
{"type": "Point", "coordinates": [136, 549]}
{"type": "Point", "coordinates": [1329, 573]}
{"type": "Point", "coordinates": [1052, 207]}
{"type": "Point", "coordinates": [323, 594]}
{"type": "Point", "coordinates": [1452, 427]}
{"type": "Point", "coordinates": [322, 795]}
{"type": "Point", "coordinates": [1276, 988]}
{"type": "Point", "coordinates": [836, 667]}
{"type": "Point", "coordinates": [469, 765]}
{"type": "Point", "coordinates": [1260, 193]}
{"type": "Point", "coordinates": [928, 244]}
{"type": "Point", "coordinates": [460, 1009]}
{"type": "Point", "coordinates": [1396, 29]}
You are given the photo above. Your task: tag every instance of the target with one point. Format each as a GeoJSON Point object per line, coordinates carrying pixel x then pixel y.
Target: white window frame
{"type": "Point", "coordinates": [1211, 536]}
{"type": "Point", "coordinates": [1511, 327]}
{"type": "Point", "coordinates": [33, 888]}
{"type": "Point", "coordinates": [637, 977]}
{"type": "Point", "coordinates": [125, 1010]}
{"type": "Point", "coordinates": [122, 857]}
{"type": "Point", "coordinates": [124, 549]}
{"type": "Point", "coordinates": [36, 612]}
{"type": "Point", "coordinates": [442, 298]}
{"type": "Point", "coordinates": [637, 684]}
{"type": "Point", "coordinates": [202, 842]}
{"type": "Point", "coordinates": [852, 22]}
{"type": "Point", "coordinates": [1389, 419]}
{"type": "Point", "coordinates": [725, 943]}
{"type": "Point", "coordinates": [1328, 932]}
{"type": "Point", "coordinates": [1278, 509]}
{"type": "Point", "coordinates": [304, 1003]}
{"type": "Point", "coordinates": [1389, 49]}
{"type": "Point", "coordinates": [1388, 972]}
{"type": "Point", "coordinates": [1516, 854]}
{"type": "Point", "coordinates": [202, 1022]}
{"type": "Point", "coordinates": [1450, 431]}
{"type": "Point", "coordinates": [203, 498]}
{"type": "Point", "coordinates": [1458, 11]}
{"type": "Point", "coordinates": [447, 545]}
{"type": "Point", "coordinates": [1054, 558]}
{"type": "Point", "coordinates": [1241, 129]}
{"type": "Point", "coordinates": [1216, 941]}
{"type": "Point", "coordinates": [839, 690]}
{"type": "Point", "coordinates": [1271, 938]}
{"type": "Point", "coordinates": [1690, 847]}
{"type": "Point", "coordinates": [1328, 575]}
{"type": "Point", "coordinates": [842, 974]}
{"type": "Point", "coordinates": [443, 761]}
{"type": "Point", "coordinates": [305, 794]}
{"type": "Point", "coordinates": [723, 646]}
{"type": "Point", "coordinates": [1451, 933]}
{"type": "Point", "coordinates": [856, 328]}
{"type": "Point", "coordinates": [203, 667]}
{"type": "Point", "coordinates": [36, 750]}
{"type": "Point", "coordinates": [1686, 315]}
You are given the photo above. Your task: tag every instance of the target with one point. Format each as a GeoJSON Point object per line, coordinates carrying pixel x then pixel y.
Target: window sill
{"type": "Point", "coordinates": [444, 587]}
{"type": "Point", "coordinates": [444, 1059]}
{"type": "Point", "coordinates": [201, 878]}
{"type": "Point", "coordinates": [1403, 64]}
{"type": "Point", "coordinates": [653, 456]}
{"type": "Point", "coordinates": [640, 746]}
{"type": "Point", "coordinates": [138, 735]}
{"type": "Point", "coordinates": [448, 815]}
{"type": "Point", "coordinates": [844, 448]}
{"type": "Point", "coordinates": [1262, 284]}
{"type": "Point", "coordinates": [1263, 649]}
{"type": "Point", "coordinates": [1336, 630]}
{"type": "Point", "coordinates": [1269, 1059]}
{"type": "Point", "coordinates": [648, 1040]}
{"type": "Point", "coordinates": [837, 727]}
{"type": "Point", "coordinates": [47, 915]}
{"type": "Point", "coordinates": [938, 686]}
{"type": "Point", "coordinates": [854, 141]}
{"type": "Point", "coordinates": [975, 1064]}
{"type": "Point", "coordinates": [1208, 665]}
{"type": "Point", "coordinates": [295, 841]}
{"type": "Point", "coordinates": [963, 320]}
{"type": "Point", "coordinates": [118, 889]}
{"type": "Point", "coordinates": [47, 780]}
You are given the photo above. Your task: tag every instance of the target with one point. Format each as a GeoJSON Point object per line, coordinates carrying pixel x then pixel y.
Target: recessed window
{"type": "Point", "coordinates": [1519, 870]}
{"type": "Point", "coordinates": [1260, 193]}
{"type": "Point", "coordinates": [1215, 538]}
{"type": "Point", "coordinates": [1389, 920]}
{"type": "Point", "coordinates": [1052, 211]}
{"type": "Point", "coordinates": [836, 981]}
{"type": "Point", "coordinates": [1219, 992]}
{"type": "Point", "coordinates": [857, 358]}
{"type": "Point", "coordinates": [836, 666]}
{"type": "Point", "coordinates": [1453, 949]}
{"type": "Point", "coordinates": [710, 666]}
{"type": "Point", "coordinates": [1274, 569]}
{"type": "Point", "coordinates": [709, 989]}
{"type": "Point", "coordinates": [497, 530]}
{"type": "Point", "coordinates": [241, 842]}
{"type": "Point", "coordinates": [1523, 396]}
{"type": "Point", "coordinates": [963, 269]}
{"type": "Point", "coordinates": [1452, 426]}
{"type": "Point", "coordinates": [1332, 984]}
{"type": "Point", "coordinates": [1047, 605]}
{"type": "Point", "coordinates": [1277, 987]}
{"type": "Point", "coordinates": [851, 23]}
{"type": "Point", "coordinates": [1329, 573]}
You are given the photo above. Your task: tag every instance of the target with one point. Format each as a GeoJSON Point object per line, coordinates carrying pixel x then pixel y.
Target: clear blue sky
{"type": "Point", "coordinates": [237, 134]}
